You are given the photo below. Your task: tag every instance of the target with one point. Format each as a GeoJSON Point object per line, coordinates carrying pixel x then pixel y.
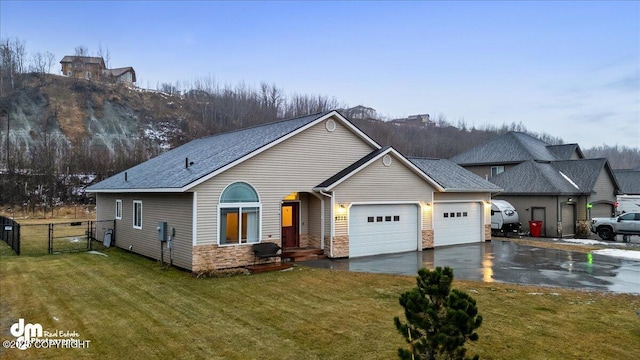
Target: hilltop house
{"type": "Point", "coordinates": [93, 67]}
{"type": "Point", "coordinates": [315, 181]}
{"type": "Point", "coordinates": [554, 184]}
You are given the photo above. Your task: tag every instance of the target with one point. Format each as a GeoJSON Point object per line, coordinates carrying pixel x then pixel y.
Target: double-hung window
{"type": "Point", "coordinates": [118, 209]}
{"type": "Point", "coordinates": [495, 170]}
{"type": "Point", "coordinates": [239, 214]}
{"type": "Point", "coordinates": [137, 214]}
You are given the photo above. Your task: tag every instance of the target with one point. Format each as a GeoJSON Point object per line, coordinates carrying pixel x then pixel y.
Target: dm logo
{"type": "Point", "coordinates": [24, 333]}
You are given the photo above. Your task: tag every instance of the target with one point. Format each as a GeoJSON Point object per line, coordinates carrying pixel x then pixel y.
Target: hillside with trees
{"type": "Point", "coordinates": [58, 134]}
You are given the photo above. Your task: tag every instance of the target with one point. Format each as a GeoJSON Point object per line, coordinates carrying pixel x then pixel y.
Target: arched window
{"type": "Point", "coordinates": [239, 215]}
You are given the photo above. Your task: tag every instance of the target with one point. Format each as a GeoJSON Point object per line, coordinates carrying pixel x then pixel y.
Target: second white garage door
{"type": "Point", "coordinates": [457, 223]}
{"type": "Point", "coordinates": [382, 229]}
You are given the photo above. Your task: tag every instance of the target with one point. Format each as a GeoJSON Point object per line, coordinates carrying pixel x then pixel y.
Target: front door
{"type": "Point", "coordinates": [290, 221]}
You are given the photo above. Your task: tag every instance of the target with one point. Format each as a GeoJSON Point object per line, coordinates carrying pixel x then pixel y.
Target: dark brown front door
{"type": "Point", "coordinates": [290, 230]}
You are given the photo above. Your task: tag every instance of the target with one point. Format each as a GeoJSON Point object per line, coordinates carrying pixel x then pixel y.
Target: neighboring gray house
{"type": "Point", "coordinates": [554, 184]}
{"type": "Point", "coordinates": [312, 182]}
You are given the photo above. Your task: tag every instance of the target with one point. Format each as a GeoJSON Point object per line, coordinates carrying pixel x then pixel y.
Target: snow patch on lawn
{"type": "Point", "coordinates": [623, 254]}
{"type": "Point", "coordinates": [591, 242]}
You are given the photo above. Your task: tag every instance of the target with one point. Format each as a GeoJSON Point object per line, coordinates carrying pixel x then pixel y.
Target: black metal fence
{"type": "Point", "coordinates": [10, 233]}
{"type": "Point", "coordinates": [79, 235]}
{"type": "Point", "coordinates": [54, 238]}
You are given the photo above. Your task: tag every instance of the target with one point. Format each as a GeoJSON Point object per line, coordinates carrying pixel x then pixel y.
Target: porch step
{"type": "Point", "coordinates": [302, 254]}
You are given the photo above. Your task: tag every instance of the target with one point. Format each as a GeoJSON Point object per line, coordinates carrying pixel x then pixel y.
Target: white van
{"type": "Point", "coordinates": [504, 218]}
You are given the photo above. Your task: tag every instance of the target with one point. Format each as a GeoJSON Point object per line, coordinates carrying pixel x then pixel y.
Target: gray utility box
{"type": "Point", "coordinates": [162, 231]}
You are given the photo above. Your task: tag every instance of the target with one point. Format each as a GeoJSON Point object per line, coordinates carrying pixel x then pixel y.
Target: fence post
{"type": "Point", "coordinates": [89, 235]}
{"type": "Point", "coordinates": [16, 226]}
{"type": "Point", "coordinates": [50, 238]}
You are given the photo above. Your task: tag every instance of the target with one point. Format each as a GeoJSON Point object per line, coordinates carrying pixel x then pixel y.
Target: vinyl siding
{"type": "Point", "coordinates": [604, 188]}
{"type": "Point", "coordinates": [297, 164]}
{"type": "Point", "coordinates": [175, 209]}
{"type": "Point", "coordinates": [484, 171]}
{"type": "Point", "coordinates": [379, 183]}
{"type": "Point", "coordinates": [524, 204]}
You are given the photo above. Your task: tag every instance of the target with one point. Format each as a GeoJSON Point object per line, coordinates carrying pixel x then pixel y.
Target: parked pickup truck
{"type": "Point", "coordinates": [624, 224]}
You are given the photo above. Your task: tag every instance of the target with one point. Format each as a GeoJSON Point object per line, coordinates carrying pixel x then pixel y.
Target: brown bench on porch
{"type": "Point", "coordinates": [266, 250]}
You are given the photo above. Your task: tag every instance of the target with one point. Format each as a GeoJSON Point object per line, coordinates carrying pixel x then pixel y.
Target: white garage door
{"type": "Point", "coordinates": [382, 229]}
{"type": "Point", "coordinates": [457, 223]}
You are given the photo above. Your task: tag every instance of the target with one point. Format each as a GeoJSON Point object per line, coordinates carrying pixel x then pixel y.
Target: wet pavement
{"type": "Point", "coordinates": [506, 262]}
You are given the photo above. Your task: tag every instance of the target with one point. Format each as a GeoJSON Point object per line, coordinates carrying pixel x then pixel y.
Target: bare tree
{"type": "Point", "coordinates": [81, 50]}
{"type": "Point", "coordinates": [12, 64]}
{"type": "Point", "coordinates": [105, 54]}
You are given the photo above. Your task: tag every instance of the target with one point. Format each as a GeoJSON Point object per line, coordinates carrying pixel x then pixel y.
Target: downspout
{"type": "Point", "coordinates": [323, 224]}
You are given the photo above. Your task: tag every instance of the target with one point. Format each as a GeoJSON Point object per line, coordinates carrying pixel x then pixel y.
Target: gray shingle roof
{"type": "Point", "coordinates": [575, 177]}
{"type": "Point", "coordinates": [564, 152]}
{"type": "Point", "coordinates": [583, 172]}
{"type": "Point", "coordinates": [453, 177]}
{"type": "Point", "coordinates": [629, 181]}
{"type": "Point", "coordinates": [510, 148]}
{"type": "Point", "coordinates": [84, 59]}
{"type": "Point", "coordinates": [168, 172]}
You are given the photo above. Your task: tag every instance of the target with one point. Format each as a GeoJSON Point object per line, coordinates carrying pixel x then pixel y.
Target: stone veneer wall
{"type": "Point", "coordinates": [427, 239]}
{"type": "Point", "coordinates": [304, 240]}
{"type": "Point", "coordinates": [314, 242]}
{"type": "Point", "coordinates": [341, 246]}
{"type": "Point", "coordinates": [215, 257]}
{"type": "Point", "coordinates": [487, 232]}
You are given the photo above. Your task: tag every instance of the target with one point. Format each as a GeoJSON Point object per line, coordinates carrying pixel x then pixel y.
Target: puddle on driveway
{"type": "Point", "coordinates": [506, 262]}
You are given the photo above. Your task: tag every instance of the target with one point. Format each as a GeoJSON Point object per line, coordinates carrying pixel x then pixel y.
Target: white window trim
{"type": "Point", "coordinates": [499, 169]}
{"type": "Point", "coordinates": [118, 209]}
{"type": "Point", "coordinates": [240, 205]}
{"type": "Point", "coordinates": [134, 214]}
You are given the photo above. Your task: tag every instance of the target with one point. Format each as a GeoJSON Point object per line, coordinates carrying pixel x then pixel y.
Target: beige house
{"type": "Point", "coordinates": [311, 182]}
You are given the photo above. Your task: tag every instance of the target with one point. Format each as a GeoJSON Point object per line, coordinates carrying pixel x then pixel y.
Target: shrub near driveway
{"type": "Point", "coordinates": [129, 307]}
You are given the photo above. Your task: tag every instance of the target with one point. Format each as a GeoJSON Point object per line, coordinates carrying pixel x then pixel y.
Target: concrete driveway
{"type": "Point", "coordinates": [505, 262]}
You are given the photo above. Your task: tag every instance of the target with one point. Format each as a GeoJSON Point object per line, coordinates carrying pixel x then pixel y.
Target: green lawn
{"type": "Point", "coordinates": [130, 307]}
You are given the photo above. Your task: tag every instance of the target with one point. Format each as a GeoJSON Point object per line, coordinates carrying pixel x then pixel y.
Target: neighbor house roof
{"type": "Point", "coordinates": [453, 177]}
{"type": "Point", "coordinates": [84, 59]}
{"type": "Point", "coordinates": [564, 151]}
{"type": "Point", "coordinates": [629, 181]}
{"type": "Point", "coordinates": [362, 163]}
{"type": "Point", "coordinates": [192, 163]}
{"type": "Point", "coordinates": [120, 71]}
{"type": "Point", "coordinates": [571, 177]}
{"type": "Point", "coordinates": [512, 148]}
{"type": "Point", "coordinates": [585, 172]}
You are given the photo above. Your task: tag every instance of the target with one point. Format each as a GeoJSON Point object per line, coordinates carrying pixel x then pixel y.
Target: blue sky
{"type": "Point", "coordinates": [570, 69]}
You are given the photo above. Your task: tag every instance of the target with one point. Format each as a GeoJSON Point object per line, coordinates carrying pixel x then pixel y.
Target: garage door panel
{"type": "Point", "coordinates": [457, 223]}
{"type": "Point", "coordinates": [382, 229]}
{"type": "Point", "coordinates": [602, 210]}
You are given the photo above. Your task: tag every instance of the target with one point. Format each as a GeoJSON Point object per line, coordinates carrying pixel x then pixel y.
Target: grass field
{"type": "Point", "coordinates": [128, 306]}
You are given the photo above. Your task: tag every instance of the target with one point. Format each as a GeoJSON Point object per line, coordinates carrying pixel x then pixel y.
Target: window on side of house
{"type": "Point", "coordinates": [137, 214]}
{"type": "Point", "coordinates": [118, 209]}
{"type": "Point", "coordinates": [495, 170]}
{"type": "Point", "coordinates": [240, 215]}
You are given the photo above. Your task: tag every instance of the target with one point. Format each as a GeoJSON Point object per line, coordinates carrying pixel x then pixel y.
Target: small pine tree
{"type": "Point", "coordinates": [439, 320]}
